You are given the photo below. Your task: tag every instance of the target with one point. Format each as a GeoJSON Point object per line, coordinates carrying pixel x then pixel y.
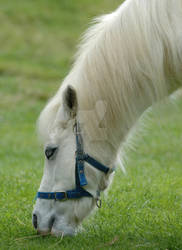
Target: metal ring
{"type": "Point", "coordinates": [98, 203]}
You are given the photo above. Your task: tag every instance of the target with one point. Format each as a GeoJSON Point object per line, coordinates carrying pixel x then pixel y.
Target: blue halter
{"type": "Point", "coordinates": [80, 177]}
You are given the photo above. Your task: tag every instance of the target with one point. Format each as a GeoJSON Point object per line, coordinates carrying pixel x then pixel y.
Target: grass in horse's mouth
{"type": "Point", "coordinates": [33, 236]}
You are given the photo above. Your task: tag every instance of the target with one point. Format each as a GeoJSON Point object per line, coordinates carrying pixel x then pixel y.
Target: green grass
{"type": "Point", "coordinates": [143, 209]}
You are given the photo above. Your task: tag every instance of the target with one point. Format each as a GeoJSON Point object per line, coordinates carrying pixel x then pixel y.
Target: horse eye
{"type": "Point", "coordinates": [50, 152]}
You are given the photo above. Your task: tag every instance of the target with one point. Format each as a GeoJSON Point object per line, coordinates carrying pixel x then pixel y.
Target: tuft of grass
{"type": "Point", "coordinates": [143, 210]}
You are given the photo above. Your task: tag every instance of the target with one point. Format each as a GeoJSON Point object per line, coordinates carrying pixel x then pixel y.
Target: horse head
{"type": "Point", "coordinates": [72, 179]}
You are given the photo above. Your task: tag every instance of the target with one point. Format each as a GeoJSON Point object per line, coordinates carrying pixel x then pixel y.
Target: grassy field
{"type": "Point", "coordinates": [143, 209]}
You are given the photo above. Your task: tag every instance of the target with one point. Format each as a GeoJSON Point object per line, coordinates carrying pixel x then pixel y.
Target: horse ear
{"type": "Point", "coordinates": [70, 101]}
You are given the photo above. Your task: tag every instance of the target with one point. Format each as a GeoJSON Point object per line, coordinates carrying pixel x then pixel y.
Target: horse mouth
{"type": "Point", "coordinates": [55, 228]}
{"type": "Point", "coordinates": [57, 233]}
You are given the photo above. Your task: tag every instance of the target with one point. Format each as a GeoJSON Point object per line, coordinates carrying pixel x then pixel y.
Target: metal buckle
{"type": "Point", "coordinates": [80, 155]}
{"type": "Point", "coordinates": [55, 197]}
{"type": "Point", "coordinates": [65, 196]}
{"type": "Point", "coordinates": [64, 199]}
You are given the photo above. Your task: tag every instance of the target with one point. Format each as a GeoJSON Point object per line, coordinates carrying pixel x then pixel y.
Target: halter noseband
{"type": "Point", "coordinates": [80, 158]}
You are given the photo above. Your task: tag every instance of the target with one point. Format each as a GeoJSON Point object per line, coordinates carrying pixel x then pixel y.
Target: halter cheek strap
{"type": "Point", "coordinates": [80, 178]}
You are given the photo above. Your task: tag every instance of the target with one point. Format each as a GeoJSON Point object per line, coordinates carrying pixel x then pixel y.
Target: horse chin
{"type": "Point", "coordinates": [63, 231]}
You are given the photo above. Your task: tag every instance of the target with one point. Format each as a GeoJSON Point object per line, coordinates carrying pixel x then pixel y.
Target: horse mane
{"type": "Point", "coordinates": [126, 62]}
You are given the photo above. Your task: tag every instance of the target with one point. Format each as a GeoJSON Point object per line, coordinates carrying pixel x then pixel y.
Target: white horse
{"type": "Point", "coordinates": [127, 61]}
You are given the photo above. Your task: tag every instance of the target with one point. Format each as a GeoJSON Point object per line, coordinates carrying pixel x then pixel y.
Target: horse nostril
{"type": "Point", "coordinates": [35, 221]}
{"type": "Point", "coordinates": [51, 222]}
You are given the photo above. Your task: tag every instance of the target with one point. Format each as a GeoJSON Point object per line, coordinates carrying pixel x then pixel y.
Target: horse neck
{"type": "Point", "coordinates": [107, 121]}
{"type": "Point", "coordinates": [122, 69]}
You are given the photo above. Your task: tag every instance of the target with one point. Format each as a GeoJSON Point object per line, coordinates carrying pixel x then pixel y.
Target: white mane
{"type": "Point", "coordinates": [127, 61]}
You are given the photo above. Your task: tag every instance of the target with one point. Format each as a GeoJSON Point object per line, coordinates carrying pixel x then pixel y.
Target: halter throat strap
{"type": "Point", "coordinates": [80, 178]}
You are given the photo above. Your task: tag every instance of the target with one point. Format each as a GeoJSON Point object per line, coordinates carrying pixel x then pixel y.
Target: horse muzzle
{"type": "Point", "coordinates": [54, 226]}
